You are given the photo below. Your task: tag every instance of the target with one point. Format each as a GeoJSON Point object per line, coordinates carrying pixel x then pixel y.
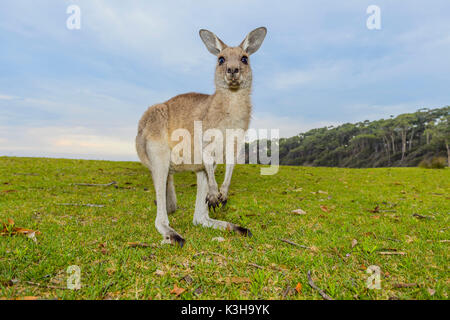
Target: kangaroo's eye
{"type": "Point", "coordinates": [244, 60]}
{"type": "Point", "coordinates": [221, 61]}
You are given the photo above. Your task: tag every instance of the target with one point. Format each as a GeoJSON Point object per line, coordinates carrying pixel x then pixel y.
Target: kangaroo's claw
{"type": "Point", "coordinates": [240, 230]}
{"type": "Point", "coordinates": [177, 239]}
{"type": "Point", "coordinates": [213, 201]}
{"type": "Point", "coordinates": [223, 200]}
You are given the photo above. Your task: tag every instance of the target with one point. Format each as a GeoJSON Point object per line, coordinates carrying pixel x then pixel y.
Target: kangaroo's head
{"type": "Point", "coordinates": [233, 69]}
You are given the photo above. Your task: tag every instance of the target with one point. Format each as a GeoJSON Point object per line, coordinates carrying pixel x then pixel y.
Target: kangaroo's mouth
{"type": "Point", "coordinates": [234, 84]}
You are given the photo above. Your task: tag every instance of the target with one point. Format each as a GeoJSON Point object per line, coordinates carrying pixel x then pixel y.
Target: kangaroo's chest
{"type": "Point", "coordinates": [232, 113]}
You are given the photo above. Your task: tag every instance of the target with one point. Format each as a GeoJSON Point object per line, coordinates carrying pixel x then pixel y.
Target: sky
{"type": "Point", "coordinates": [79, 93]}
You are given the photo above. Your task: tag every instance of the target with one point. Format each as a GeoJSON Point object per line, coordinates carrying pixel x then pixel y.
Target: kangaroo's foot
{"type": "Point", "coordinates": [170, 236]}
{"type": "Point", "coordinates": [174, 239]}
{"type": "Point", "coordinates": [208, 222]}
{"type": "Point", "coordinates": [240, 230]}
{"type": "Point", "coordinates": [171, 208]}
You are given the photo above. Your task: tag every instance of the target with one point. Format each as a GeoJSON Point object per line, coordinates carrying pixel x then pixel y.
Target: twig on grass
{"type": "Point", "coordinates": [419, 216]}
{"type": "Point", "coordinates": [255, 265]}
{"type": "Point", "coordinates": [391, 239]}
{"type": "Point", "coordinates": [81, 205]}
{"type": "Point", "coordinates": [294, 244]}
{"type": "Point", "coordinates": [140, 245]}
{"type": "Point", "coordinates": [404, 285]}
{"type": "Point", "coordinates": [392, 253]}
{"type": "Point", "coordinates": [95, 185]}
{"type": "Point", "coordinates": [313, 285]}
{"type": "Point", "coordinates": [45, 286]}
{"type": "Point", "coordinates": [288, 291]}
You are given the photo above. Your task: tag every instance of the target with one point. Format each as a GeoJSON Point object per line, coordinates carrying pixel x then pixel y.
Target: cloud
{"type": "Point", "coordinates": [287, 127]}
{"type": "Point", "coordinates": [6, 97]}
{"type": "Point", "coordinates": [321, 74]}
{"type": "Point", "coordinates": [69, 142]}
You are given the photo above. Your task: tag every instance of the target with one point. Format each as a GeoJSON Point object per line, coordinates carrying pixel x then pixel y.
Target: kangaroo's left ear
{"type": "Point", "coordinates": [254, 40]}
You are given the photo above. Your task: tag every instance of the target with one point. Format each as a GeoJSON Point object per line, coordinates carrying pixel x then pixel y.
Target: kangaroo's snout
{"type": "Point", "coordinates": [232, 71]}
{"type": "Point", "coordinates": [233, 74]}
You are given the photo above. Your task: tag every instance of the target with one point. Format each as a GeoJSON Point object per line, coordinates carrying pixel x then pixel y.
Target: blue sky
{"type": "Point", "coordinates": [80, 93]}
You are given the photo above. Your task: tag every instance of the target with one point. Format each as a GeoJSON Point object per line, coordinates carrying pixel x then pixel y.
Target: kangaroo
{"type": "Point", "coordinates": [228, 108]}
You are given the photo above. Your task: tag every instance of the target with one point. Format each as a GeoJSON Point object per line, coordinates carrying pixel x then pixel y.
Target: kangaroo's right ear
{"type": "Point", "coordinates": [212, 42]}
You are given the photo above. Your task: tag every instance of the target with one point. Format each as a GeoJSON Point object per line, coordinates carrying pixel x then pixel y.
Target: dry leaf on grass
{"type": "Point", "coordinates": [9, 191]}
{"type": "Point", "coordinates": [198, 291]}
{"type": "Point", "coordinates": [354, 243]}
{"type": "Point", "coordinates": [138, 245]}
{"type": "Point", "coordinates": [160, 273]}
{"type": "Point", "coordinates": [218, 239]}
{"type": "Point", "coordinates": [237, 280]}
{"type": "Point", "coordinates": [32, 236]}
{"type": "Point", "coordinates": [177, 290]}
{"type": "Point", "coordinates": [188, 279]}
{"type": "Point", "coordinates": [10, 229]}
{"type": "Point", "coordinates": [111, 271]}
{"type": "Point", "coordinates": [298, 212]}
{"type": "Point", "coordinates": [324, 208]}
{"type": "Point", "coordinates": [298, 288]}
{"type": "Point", "coordinates": [431, 291]}
{"type": "Point", "coordinates": [314, 249]}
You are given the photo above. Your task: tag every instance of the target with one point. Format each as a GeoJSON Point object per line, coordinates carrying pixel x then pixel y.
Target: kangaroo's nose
{"type": "Point", "coordinates": [233, 70]}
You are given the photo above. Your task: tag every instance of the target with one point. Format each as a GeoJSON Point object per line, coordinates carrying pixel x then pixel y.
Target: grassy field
{"type": "Point", "coordinates": [394, 218]}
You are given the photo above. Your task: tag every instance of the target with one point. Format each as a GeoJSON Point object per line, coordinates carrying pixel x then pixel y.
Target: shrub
{"type": "Point", "coordinates": [425, 164]}
{"type": "Point", "coordinates": [435, 163]}
{"type": "Point", "coordinates": [438, 163]}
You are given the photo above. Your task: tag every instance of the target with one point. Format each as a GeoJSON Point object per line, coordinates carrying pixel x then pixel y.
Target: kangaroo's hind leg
{"type": "Point", "coordinates": [171, 196]}
{"type": "Point", "coordinates": [159, 158]}
{"type": "Point", "coordinates": [201, 214]}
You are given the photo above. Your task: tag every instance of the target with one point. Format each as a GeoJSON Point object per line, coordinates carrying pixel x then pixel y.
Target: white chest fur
{"type": "Point", "coordinates": [237, 110]}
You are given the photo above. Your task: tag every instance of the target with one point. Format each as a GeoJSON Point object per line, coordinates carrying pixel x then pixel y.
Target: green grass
{"type": "Point", "coordinates": [96, 239]}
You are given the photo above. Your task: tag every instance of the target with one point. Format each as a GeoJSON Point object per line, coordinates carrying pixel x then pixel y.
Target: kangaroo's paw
{"type": "Point", "coordinates": [223, 199]}
{"type": "Point", "coordinates": [213, 201]}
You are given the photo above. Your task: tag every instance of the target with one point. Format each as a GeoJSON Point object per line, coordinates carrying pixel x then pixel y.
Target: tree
{"type": "Point", "coordinates": [441, 134]}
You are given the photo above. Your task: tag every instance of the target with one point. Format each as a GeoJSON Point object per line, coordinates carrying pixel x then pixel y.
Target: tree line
{"type": "Point", "coordinates": [405, 140]}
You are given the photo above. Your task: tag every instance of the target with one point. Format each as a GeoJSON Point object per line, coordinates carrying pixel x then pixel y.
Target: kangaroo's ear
{"type": "Point", "coordinates": [254, 40]}
{"type": "Point", "coordinates": [212, 42]}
